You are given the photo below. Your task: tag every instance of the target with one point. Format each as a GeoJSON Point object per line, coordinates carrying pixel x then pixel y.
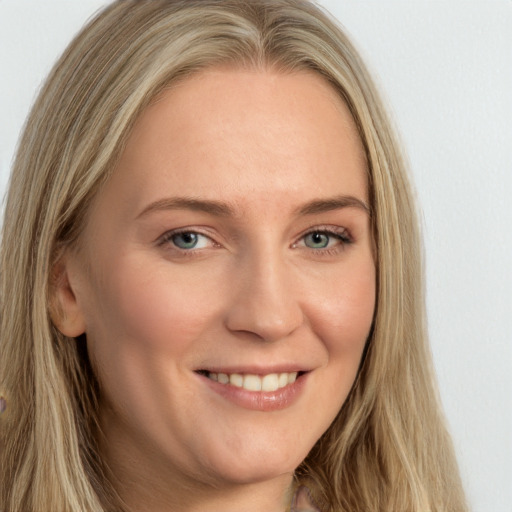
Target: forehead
{"type": "Point", "coordinates": [259, 134]}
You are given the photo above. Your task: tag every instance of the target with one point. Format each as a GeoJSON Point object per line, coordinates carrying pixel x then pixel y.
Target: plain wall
{"type": "Point", "coordinates": [445, 68]}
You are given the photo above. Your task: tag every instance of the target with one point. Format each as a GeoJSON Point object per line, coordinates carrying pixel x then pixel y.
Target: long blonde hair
{"type": "Point", "coordinates": [388, 449]}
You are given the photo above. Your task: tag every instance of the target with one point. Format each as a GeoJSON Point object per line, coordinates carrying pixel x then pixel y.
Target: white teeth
{"type": "Point", "coordinates": [223, 378]}
{"type": "Point", "coordinates": [251, 382]}
{"type": "Point", "coordinates": [236, 379]}
{"type": "Point", "coordinates": [270, 382]}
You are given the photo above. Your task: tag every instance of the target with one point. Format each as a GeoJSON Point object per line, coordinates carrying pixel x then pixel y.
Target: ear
{"type": "Point", "coordinates": [65, 310]}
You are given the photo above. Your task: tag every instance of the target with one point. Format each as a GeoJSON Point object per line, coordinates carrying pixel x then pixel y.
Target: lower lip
{"type": "Point", "coordinates": [259, 400]}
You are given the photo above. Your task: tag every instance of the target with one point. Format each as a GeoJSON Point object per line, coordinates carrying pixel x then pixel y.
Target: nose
{"type": "Point", "coordinates": [265, 302]}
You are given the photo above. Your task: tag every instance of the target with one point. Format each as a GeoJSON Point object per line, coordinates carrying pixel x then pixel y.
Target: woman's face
{"type": "Point", "coordinates": [232, 243]}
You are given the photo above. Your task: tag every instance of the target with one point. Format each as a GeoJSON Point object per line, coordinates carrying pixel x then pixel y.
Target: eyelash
{"type": "Point", "coordinates": [340, 234]}
{"type": "Point", "coordinates": [167, 238]}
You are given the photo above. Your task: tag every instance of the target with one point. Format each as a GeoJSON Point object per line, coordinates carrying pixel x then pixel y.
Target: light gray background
{"type": "Point", "coordinates": [445, 67]}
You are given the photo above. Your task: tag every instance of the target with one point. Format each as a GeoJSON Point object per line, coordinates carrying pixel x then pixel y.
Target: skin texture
{"type": "Point", "coordinates": [256, 292]}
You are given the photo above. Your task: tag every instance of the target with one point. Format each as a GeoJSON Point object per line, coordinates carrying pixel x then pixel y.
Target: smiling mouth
{"type": "Point", "coordinates": [251, 382]}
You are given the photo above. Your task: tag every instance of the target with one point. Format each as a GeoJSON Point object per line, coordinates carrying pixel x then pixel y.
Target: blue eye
{"type": "Point", "coordinates": [187, 240]}
{"type": "Point", "coordinates": [325, 239]}
{"type": "Point", "coordinates": [317, 240]}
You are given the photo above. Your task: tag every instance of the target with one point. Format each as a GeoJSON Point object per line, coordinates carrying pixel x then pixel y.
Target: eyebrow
{"type": "Point", "coordinates": [222, 209]}
{"type": "Point", "coordinates": [333, 203]}
{"type": "Point", "coordinates": [217, 208]}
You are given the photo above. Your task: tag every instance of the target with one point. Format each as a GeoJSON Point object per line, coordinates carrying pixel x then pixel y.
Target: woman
{"type": "Point", "coordinates": [211, 278]}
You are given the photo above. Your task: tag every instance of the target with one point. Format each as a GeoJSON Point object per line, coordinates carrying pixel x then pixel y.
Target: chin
{"type": "Point", "coordinates": [257, 473]}
{"type": "Point", "coordinates": [250, 466]}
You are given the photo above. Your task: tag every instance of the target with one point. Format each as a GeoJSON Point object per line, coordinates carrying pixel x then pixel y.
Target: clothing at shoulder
{"type": "Point", "coordinates": [302, 501]}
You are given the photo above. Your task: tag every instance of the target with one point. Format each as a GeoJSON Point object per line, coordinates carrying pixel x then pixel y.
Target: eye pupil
{"type": "Point", "coordinates": [317, 240]}
{"type": "Point", "coordinates": [185, 240]}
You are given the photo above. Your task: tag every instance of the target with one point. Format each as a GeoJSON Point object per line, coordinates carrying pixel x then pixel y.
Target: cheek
{"type": "Point", "coordinates": [153, 311]}
{"type": "Point", "coordinates": [143, 328]}
{"type": "Point", "coordinates": [341, 315]}
{"type": "Point", "coordinates": [345, 310]}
